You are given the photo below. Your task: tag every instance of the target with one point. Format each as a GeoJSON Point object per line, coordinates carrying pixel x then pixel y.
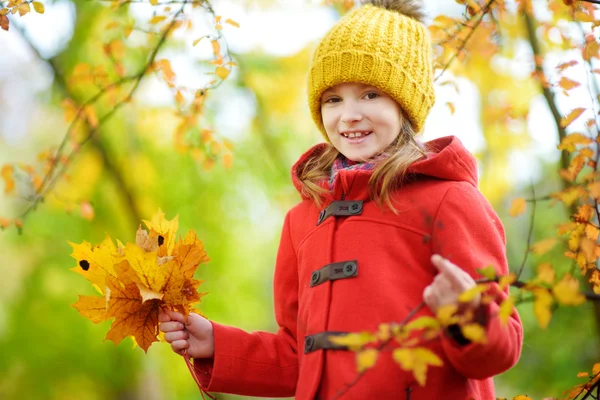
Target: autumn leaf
{"type": "Point", "coordinates": [7, 174]}
{"type": "Point", "coordinates": [216, 47]}
{"type": "Point", "coordinates": [417, 360]}
{"type": "Point", "coordinates": [570, 141]}
{"type": "Point", "coordinates": [572, 116]}
{"type": "Point", "coordinates": [546, 274]}
{"type": "Point", "coordinates": [4, 22]}
{"type": "Point", "coordinates": [472, 293]}
{"type": "Point", "coordinates": [354, 341]}
{"type": "Point", "coordinates": [521, 397]}
{"type": "Point", "coordinates": [541, 306]}
{"type": "Point", "coordinates": [517, 207]}
{"type": "Point", "coordinates": [38, 7]}
{"type": "Point", "coordinates": [445, 314]}
{"type": "Point", "coordinates": [568, 84]}
{"type": "Point", "coordinates": [366, 359]}
{"type": "Point", "coordinates": [506, 280]}
{"type": "Point", "coordinates": [92, 307]}
{"type": "Point", "coordinates": [222, 72]}
{"type": "Point", "coordinates": [164, 230]}
{"type": "Point", "coordinates": [157, 19]}
{"type": "Point", "coordinates": [95, 263]}
{"type": "Point", "coordinates": [137, 280]}
{"type": "Point", "coordinates": [474, 332]}
{"type": "Point", "coordinates": [487, 272]}
{"type": "Point", "coordinates": [24, 8]}
{"type": "Point", "coordinates": [506, 310]}
{"type": "Point", "coordinates": [132, 317]}
{"type": "Point", "coordinates": [566, 291]}
{"type": "Point", "coordinates": [232, 22]}
{"type": "Point", "coordinates": [543, 246]}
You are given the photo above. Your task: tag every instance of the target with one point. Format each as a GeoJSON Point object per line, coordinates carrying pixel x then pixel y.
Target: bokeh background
{"type": "Point", "coordinates": [232, 186]}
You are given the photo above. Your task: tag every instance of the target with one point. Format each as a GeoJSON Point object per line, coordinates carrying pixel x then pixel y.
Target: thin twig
{"type": "Point", "coordinates": [529, 235]}
{"type": "Point", "coordinates": [485, 10]}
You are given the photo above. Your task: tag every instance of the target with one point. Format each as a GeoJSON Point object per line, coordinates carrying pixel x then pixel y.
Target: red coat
{"type": "Point", "coordinates": [441, 211]}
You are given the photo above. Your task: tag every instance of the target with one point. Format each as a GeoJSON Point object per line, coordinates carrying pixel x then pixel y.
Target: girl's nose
{"type": "Point", "coordinates": [351, 113]}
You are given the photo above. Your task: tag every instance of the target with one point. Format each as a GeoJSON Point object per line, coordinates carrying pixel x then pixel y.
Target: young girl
{"type": "Point", "coordinates": [384, 224]}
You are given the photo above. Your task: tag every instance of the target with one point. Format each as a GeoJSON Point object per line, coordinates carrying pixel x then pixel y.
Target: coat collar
{"type": "Point", "coordinates": [446, 159]}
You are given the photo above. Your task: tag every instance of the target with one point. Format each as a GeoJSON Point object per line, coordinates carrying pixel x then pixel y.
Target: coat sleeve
{"type": "Point", "coordinates": [260, 363]}
{"type": "Point", "coordinates": [468, 232]}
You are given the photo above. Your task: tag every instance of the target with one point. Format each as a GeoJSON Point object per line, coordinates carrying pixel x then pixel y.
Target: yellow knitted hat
{"type": "Point", "coordinates": [378, 45]}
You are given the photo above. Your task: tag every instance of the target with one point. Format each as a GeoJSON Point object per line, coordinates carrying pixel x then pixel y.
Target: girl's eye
{"type": "Point", "coordinates": [332, 100]}
{"type": "Point", "coordinates": [372, 95]}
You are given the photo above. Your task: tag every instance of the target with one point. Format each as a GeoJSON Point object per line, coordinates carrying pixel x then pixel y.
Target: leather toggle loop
{"type": "Point", "coordinates": [321, 341]}
{"type": "Point", "coordinates": [341, 208]}
{"type": "Point", "coordinates": [332, 272]}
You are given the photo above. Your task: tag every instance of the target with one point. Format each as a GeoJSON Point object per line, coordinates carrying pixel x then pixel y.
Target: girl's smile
{"type": "Point", "coordinates": [360, 120]}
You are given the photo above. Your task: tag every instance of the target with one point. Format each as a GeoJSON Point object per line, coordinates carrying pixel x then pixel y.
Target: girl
{"type": "Point", "coordinates": [384, 224]}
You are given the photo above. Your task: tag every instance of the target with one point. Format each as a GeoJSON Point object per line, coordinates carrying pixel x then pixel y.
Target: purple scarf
{"type": "Point", "coordinates": [342, 163]}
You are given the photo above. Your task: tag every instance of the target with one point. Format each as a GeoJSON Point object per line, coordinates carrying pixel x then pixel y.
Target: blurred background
{"type": "Point", "coordinates": [221, 160]}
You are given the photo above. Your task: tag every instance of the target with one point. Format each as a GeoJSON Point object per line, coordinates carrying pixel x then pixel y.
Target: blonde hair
{"type": "Point", "coordinates": [388, 175]}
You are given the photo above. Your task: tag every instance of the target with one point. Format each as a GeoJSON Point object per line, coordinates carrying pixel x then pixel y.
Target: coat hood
{"type": "Point", "coordinates": [447, 159]}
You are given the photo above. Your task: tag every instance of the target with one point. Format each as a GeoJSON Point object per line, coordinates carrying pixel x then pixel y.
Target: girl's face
{"type": "Point", "coordinates": [360, 120]}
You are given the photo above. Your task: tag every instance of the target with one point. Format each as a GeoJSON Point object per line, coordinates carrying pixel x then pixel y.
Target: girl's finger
{"type": "Point", "coordinates": [452, 272]}
{"type": "Point", "coordinates": [163, 316]}
{"type": "Point", "coordinates": [179, 345]}
{"type": "Point", "coordinates": [170, 326]}
{"type": "Point", "coordinates": [177, 335]}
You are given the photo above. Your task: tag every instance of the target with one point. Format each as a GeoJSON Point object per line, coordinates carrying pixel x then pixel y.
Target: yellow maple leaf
{"type": "Point", "coordinates": [165, 232]}
{"type": "Point", "coordinates": [521, 397]}
{"type": "Point", "coordinates": [424, 322]}
{"type": "Point", "coordinates": [366, 359]}
{"type": "Point", "coordinates": [95, 263]}
{"type": "Point", "coordinates": [566, 291]}
{"type": "Point", "coordinates": [92, 307]}
{"type": "Point", "coordinates": [132, 317]}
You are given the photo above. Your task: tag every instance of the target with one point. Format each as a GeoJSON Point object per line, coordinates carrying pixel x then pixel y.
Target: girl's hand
{"type": "Point", "coordinates": [194, 333]}
{"type": "Point", "coordinates": [448, 285]}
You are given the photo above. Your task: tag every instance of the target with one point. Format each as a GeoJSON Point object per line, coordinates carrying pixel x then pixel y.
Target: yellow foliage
{"type": "Point", "coordinates": [566, 291]}
{"type": "Point", "coordinates": [137, 280]}
{"type": "Point", "coordinates": [365, 359]}
{"type": "Point", "coordinates": [471, 294]}
{"type": "Point", "coordinates": [546, 274]}
{"type": "Point", "coordinates": [506, 310]}
{"type": "Point", "coordinates": [517, 207]}
{"type": "Point", "coordinates": [541, 306]}
{"type": "Point", "coordinates": [417, 360]}
{"type": "Point", "coordinates": [474, 332]}
{"type": "Point", "coordinates": [354, 341]}
{"type": "Point", "coordinates": [543, 246]}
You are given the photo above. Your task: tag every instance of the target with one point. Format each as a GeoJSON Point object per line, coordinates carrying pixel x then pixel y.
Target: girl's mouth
{"type": "Point", "coordinates": [356, 137]}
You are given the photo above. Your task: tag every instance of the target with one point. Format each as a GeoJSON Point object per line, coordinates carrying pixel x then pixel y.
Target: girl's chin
{"type": "Point", "coordinates": [356, 156]}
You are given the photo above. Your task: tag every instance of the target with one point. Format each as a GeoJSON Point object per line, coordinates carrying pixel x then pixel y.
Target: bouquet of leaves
{"type": "Point", "coordinates": [136, 280]}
